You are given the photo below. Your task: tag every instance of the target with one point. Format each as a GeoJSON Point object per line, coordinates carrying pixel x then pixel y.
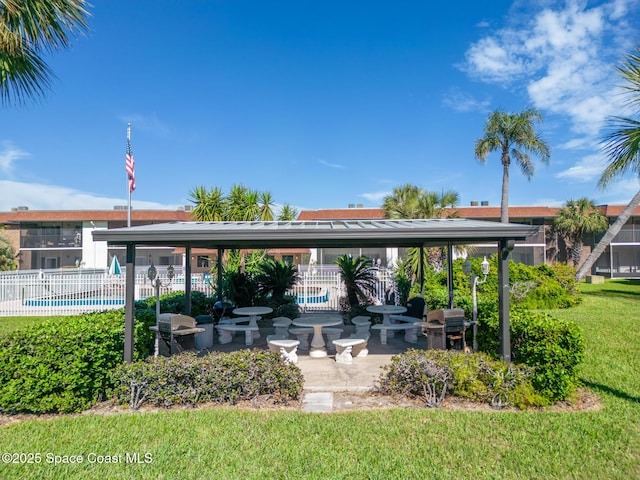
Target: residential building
{"type": "Point", "coordinates": [45, 239]}
{"type": "Point", "coordinates": [621, 259]}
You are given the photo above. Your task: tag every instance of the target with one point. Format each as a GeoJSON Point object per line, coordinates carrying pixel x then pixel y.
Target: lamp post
{"type": "Point", "coordinates": [486, 267]}
{"type": "Point", "coordinates": [152, 273]}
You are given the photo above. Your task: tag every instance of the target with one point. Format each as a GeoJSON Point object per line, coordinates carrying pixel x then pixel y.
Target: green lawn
{"type": "Point", "coordinates": [8, 324]}
{"type": "Point", "coordinates": [394, 444]}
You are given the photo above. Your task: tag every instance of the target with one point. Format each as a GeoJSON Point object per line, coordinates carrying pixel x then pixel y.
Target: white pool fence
{"type": "Point", "coordinates": [71, 292]}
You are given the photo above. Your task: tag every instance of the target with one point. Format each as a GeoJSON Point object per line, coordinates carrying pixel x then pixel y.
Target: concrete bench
{"type": "Point", "coordinates": [286, 347]}
{"type": "Point", "coordinates": [302, 334]}
{"type": "Point", "coordinates": [281, 326]}
{"type": "Point", "coordinates": [360, 350]}
{"type": "Point", "coordinates": [410, 335]}
{"type": "Point", "coordinates": [226, 332]}
{"type": "Point", "coordinates": [362, 323]}
{"type": "Point", "coordinates": [345, 348]}
{"type": "Point", "coordinates": [331, 335]}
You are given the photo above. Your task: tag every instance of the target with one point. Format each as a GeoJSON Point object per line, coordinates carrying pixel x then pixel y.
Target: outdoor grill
{"type": "Point", "coordinates": [446, 325]}
{"type": "Point", "coordinates": [175, 333]}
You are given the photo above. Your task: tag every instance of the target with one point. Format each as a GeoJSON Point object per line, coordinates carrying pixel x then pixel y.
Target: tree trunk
{"type": "Point", "coordinates": [504, 205]}
{"type": "Point", "coordinates": [609, 235]}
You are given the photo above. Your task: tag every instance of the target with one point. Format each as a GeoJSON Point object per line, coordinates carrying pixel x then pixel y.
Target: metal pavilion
{"type": "Point", "coordinates": [317, 234]}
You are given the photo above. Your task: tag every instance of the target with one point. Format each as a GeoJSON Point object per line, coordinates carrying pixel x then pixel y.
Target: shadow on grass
{"type": "Point", "coordinates": [610, 391]}
{"type": "Point", "coordinates": [612, 293]}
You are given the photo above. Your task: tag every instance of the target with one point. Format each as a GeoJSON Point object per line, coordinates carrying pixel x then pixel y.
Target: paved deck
{"type": "Point", "coordinates": [324, 374]}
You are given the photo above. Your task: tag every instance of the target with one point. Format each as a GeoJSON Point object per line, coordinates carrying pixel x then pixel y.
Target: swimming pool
{"type": "Point", "coordinates": [313, 298]}
{"type": "Point", "coordinates": [74, 302]}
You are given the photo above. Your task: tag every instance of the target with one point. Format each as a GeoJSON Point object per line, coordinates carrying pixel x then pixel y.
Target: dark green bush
{"type": "Point", "coordinates": [174, 303]}
{"type": "Point", "coordinates": [61, 365]}
{"type": "Point", "coordinates": [289, 310]}
{"type": "Point", "coordinates": [473, 376]}
{"type": "Point", "coordinates": [186, 379]}
{"type": "Point", "coordinates": [552, 347]}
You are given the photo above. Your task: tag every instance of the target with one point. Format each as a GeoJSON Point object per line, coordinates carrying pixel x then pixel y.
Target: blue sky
{"type": "Point", "coordinates": [321, 103]}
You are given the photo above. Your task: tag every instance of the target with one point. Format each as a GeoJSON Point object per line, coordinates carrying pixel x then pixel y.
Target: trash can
{"type": "Point", "coordinates": [204, 340]}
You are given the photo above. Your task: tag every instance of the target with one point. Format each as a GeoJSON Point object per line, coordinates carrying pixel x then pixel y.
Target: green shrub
{"type": "Point", "coordinates": [415, 373]}
{"type": "Point", "coordinates": [539, 287]}
{"type": "Point", "coordinates": [289, 310]}
{"type": "Point", "coordinates": [433, 373]}
{"type": "Point", "coordinates": [174, 303]}
{"type": "Point", "coordinates": [60, 365]}
{"type": "Point", "coordinates": [552, 347]}
{"type": "Point", "coordinates": [187, 379]}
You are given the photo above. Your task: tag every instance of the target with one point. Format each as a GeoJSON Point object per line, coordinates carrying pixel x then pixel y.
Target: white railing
{"type": "Point", "coordinates": [70, 293]}
{"type": "Point", "coordinates": [322, 289]}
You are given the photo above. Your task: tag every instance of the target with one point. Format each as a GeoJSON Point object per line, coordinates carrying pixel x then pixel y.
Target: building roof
{"type": "Point", "coordinates": [298, 234]}
{"type": "Point", "coordinates": [479, 212]}
{"type": "Point", "coordinates": [95, 215]}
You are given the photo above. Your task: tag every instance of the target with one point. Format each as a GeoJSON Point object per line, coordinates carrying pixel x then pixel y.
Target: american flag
{"type": "Point", "coordinates": [130, 167]}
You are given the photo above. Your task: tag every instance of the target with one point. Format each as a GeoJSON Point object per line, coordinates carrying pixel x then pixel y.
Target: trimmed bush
{"type": "Point", "coordinates": [61, 365]}
{"type": "Point", "coordinates": [553, 347]}
{"type": "Point", "coordinates": [187, 379]}
{"type": "Point", "coordinates": [431, 374]}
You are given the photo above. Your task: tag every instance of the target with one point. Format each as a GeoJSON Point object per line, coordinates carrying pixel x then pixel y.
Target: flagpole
{"type": "Point", "coordinates": [128, 179]}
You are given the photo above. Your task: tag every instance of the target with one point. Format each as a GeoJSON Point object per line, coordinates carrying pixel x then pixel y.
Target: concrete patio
{"type": "Point", "coordinates": [324, 374]}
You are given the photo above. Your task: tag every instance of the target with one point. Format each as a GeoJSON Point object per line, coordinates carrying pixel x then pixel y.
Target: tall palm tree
{"type": "Point", "coordinates": [622, 147]}
{"type": "Point", "coordinates": [576, 219]}
{"type": "Point", "coordinates": [514, 135]}
{"type": "Point", "coordinates": [30, 29]}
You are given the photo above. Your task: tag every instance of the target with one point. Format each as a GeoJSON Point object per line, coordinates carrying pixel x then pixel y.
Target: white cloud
{"type": "Point", "coordinates": [492, 60]}
{"type": "Point", "coordinates": [460, 101]}
{"type": "Point", "coordinates": [586, 169]}
{"type": "Point", "coordinates": [375, 197]}
{"type": "Point", "coordinates": [565, 57]}
{"type": "Point", "coordinates": [330, 165]}
{"type": "Point", "coordinates": [52, 197]}
{"type": "Point", "coordinates": [620, 192]}
{"type": "Point", "coordinates": [10, 154]}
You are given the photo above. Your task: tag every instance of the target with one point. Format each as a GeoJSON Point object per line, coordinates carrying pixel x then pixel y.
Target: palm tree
{"type": "Point", "coordinates": [514, 135]}
{"type": "Point", "coordinates": [576, 219]}
{"type": "Point", "coordinates": [276, 278]}
{"type": "Point", "coordinates": [410, 201]}
{"type": "Point", "coordinates": [358, 276]}
{"type": "Point", "coordinates": [402, 203]}
{"type": "Point", "coordinates": [209, 204]}
{"type": "Point", "coordinates": [622, 147]}
{"type": "Point", "coordinates": [287, 213]}
{"type": "Point", "coordinates": [266, 206]}
{"type": "Point", "coordinates": [28, 31]}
